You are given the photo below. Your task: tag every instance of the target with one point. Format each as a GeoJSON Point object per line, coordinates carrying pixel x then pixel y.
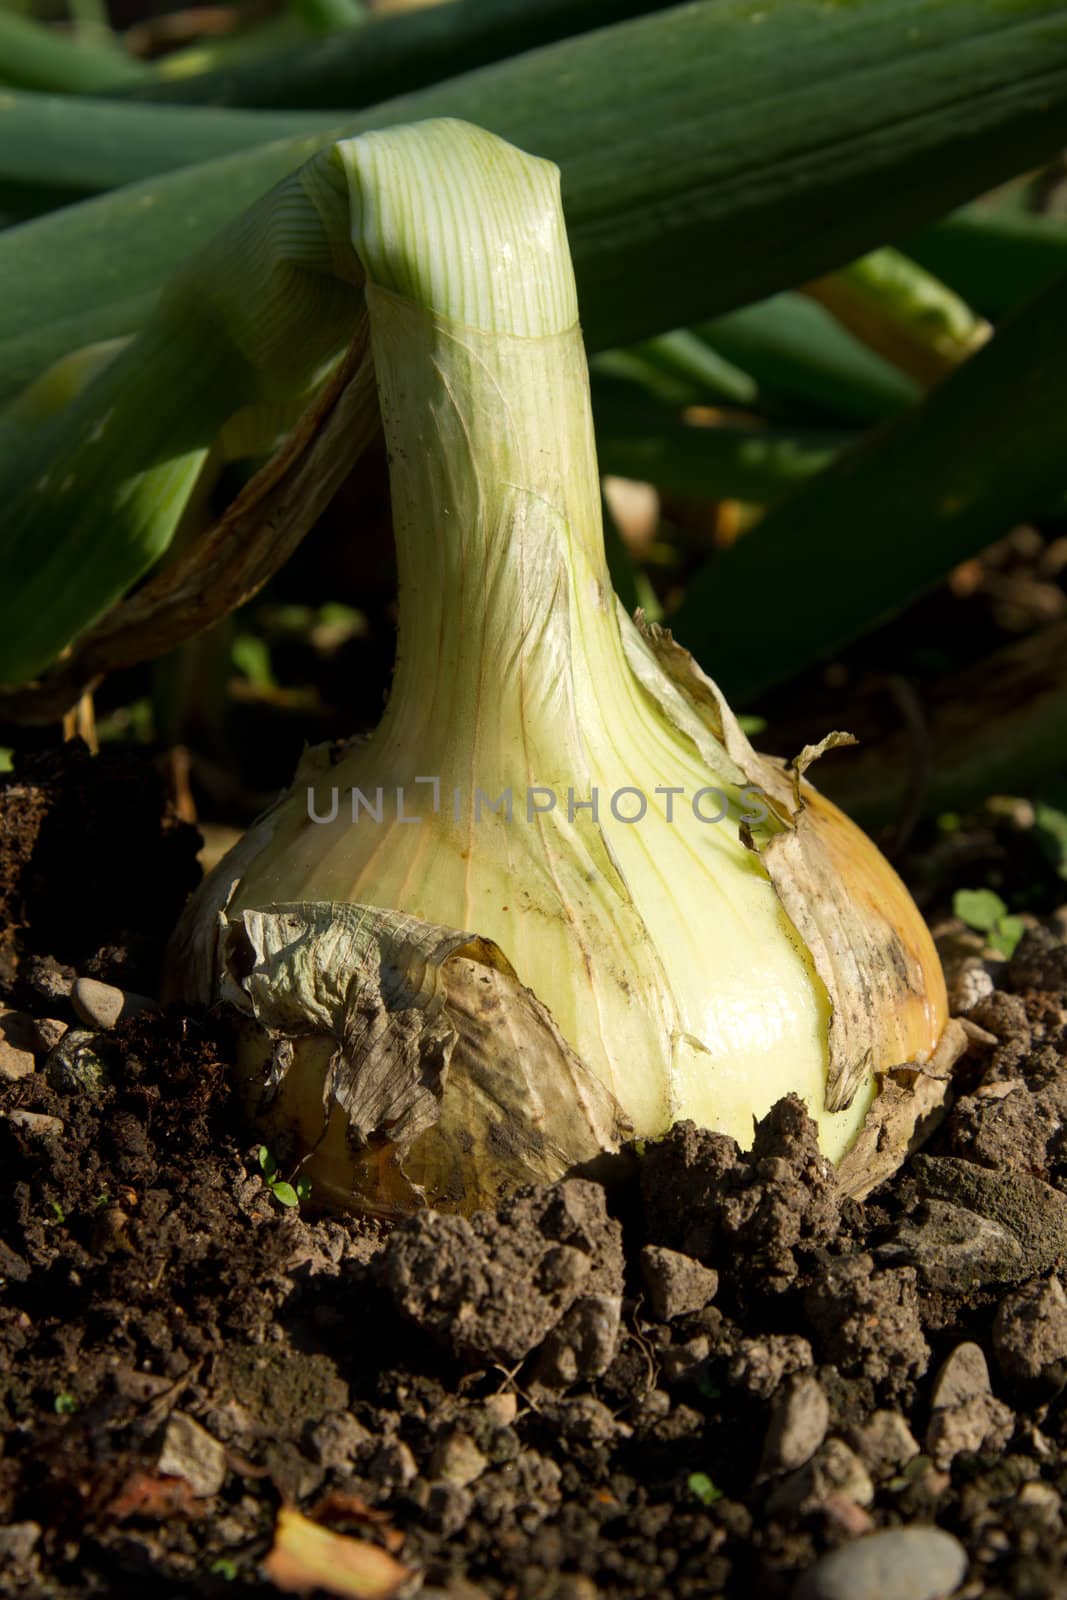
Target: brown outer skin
{"type": "Point", "coordinates": [912, 1029]}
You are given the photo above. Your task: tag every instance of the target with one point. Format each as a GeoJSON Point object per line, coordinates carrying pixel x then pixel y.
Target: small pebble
{"type": "Point", "coordinates": [502, 1408]}
{"type": "Point", "coordinates": [456, 1459]}
{"type": "Point", "coordinates": [839, 1509]}
{"type": "Point", "coordinates": [973, 982]}
{"type": "Point", "coordinates": [676, 1283]}
{"type": "Point", "coordinates": [338, 1439]}
{"type": "Point", "coordinates": [798, 1423]}
{"type": "Point", "coordinates": [190, 1452]}
{"type": "Point", "coordinates": [981, 1423]}
{"type": "Point", "coordinates": [101, 1005]}
{"type": "Point", "coordinates": [679, 1360]}
{"type": "Point", "coordinates": [47, 1032]}
{"type": "Point", "coordinates": [16, 1046]}
{"type": "Point", "coordinates": [582, 1343]}
{"type": "Point", "coordinates": [884, 1442]}
{"type": "Point", "coordinates": [962, 1375]}
{"type": "Point", "coordinates": [834, 1470]}
{"type": "Point", "coordinates": [965, 1414]}
{"type": "Point", "coordinates": [1030, 1333]}
{"type": "Point", "coordinates": [917, 1563]}
{"type": "Point", "coordinates": [14, 1063]}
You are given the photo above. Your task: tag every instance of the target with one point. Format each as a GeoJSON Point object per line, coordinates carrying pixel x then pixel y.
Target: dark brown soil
{"type": "Point", "coordinates": [692, 1385]}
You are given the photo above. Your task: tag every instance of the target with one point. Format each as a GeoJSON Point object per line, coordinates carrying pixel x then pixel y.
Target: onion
{"type": "Point", "coordinates": [556, 900]}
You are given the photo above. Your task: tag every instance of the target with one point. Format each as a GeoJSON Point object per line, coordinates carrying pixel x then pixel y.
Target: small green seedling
{"type": "Point", "coordinates": [224, 1568]}
{"type": "Point", "coordinates": [286, 1194]}
{"type": "Point", "coordinates": [985, 911]}
{"type": "Point", "coordinates": [701, 1485]}
{"type": "Point", "coordinates": [64, 1405]}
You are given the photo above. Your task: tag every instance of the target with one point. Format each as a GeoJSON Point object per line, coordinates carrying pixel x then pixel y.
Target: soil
{"type": "Point", "coordinates": [693, 1384]}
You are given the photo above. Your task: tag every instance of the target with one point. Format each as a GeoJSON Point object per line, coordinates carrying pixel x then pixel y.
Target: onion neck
{"type": "Point", "coordinates": [506, 607]}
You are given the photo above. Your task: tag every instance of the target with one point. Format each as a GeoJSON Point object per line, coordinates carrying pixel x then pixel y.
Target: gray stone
{"type": "Point", "coordinates": [965, 1412]}
{"type": "Point", "coordinates": [16, 1046]}
{"type": "Point", "coordinates": [834, 1471]}
{"type": "Point", "coordinates": [981, 1423]}
{"type": "Point", "coordinates": [47, 1032]}
{"type": "Point", "coordinates": [457, 1459]}
{"type": "Point", "coordinates": [676, 1283]}
{"type": "Point", "coordinates": [798, 1423]}
{"type": "Point", "coordinates": [190, 1452]}
{"type": "Point", "coordinates": [1032, 1212]}
{"type": "Point", "coordinates": [679, 1360]}
{"type": "Point", "coordinates": [502, 1408]}
{"type": "Point", "coordinates": [884, 1442]}
{"type": "Point", "coordinates": [98, 1005]}
{"type": "Point", "coordinates": [339, 1439]}
{"type": "Point", "coordinates": [954, 1249]}
{"type": "Point", "coordinates": [101, 1005]}
{"type": "Point", "coordinates": [1030, 1333]}
{"type": "Point", "coordinates": [965, 1415]}
{"type": "Point", "coordinates": [14, 1063]}
{"type": "Point", "coordinates": [582, 1344]}
{"type": "Point", "coordinates": [917, 1563]}
{"type": "Point", "coordinates": [963, 1374]}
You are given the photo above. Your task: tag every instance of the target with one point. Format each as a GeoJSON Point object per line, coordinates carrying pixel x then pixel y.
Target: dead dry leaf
{"type": "Point", "coordinates": [305, 1557]}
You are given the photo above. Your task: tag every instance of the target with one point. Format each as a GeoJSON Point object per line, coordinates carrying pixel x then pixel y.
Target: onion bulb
{"type": "Point", "coordinates": [556, 900]}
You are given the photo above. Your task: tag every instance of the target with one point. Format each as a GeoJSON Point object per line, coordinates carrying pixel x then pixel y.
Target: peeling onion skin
{"type": "Point", "coordinates": [909, 1028]}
